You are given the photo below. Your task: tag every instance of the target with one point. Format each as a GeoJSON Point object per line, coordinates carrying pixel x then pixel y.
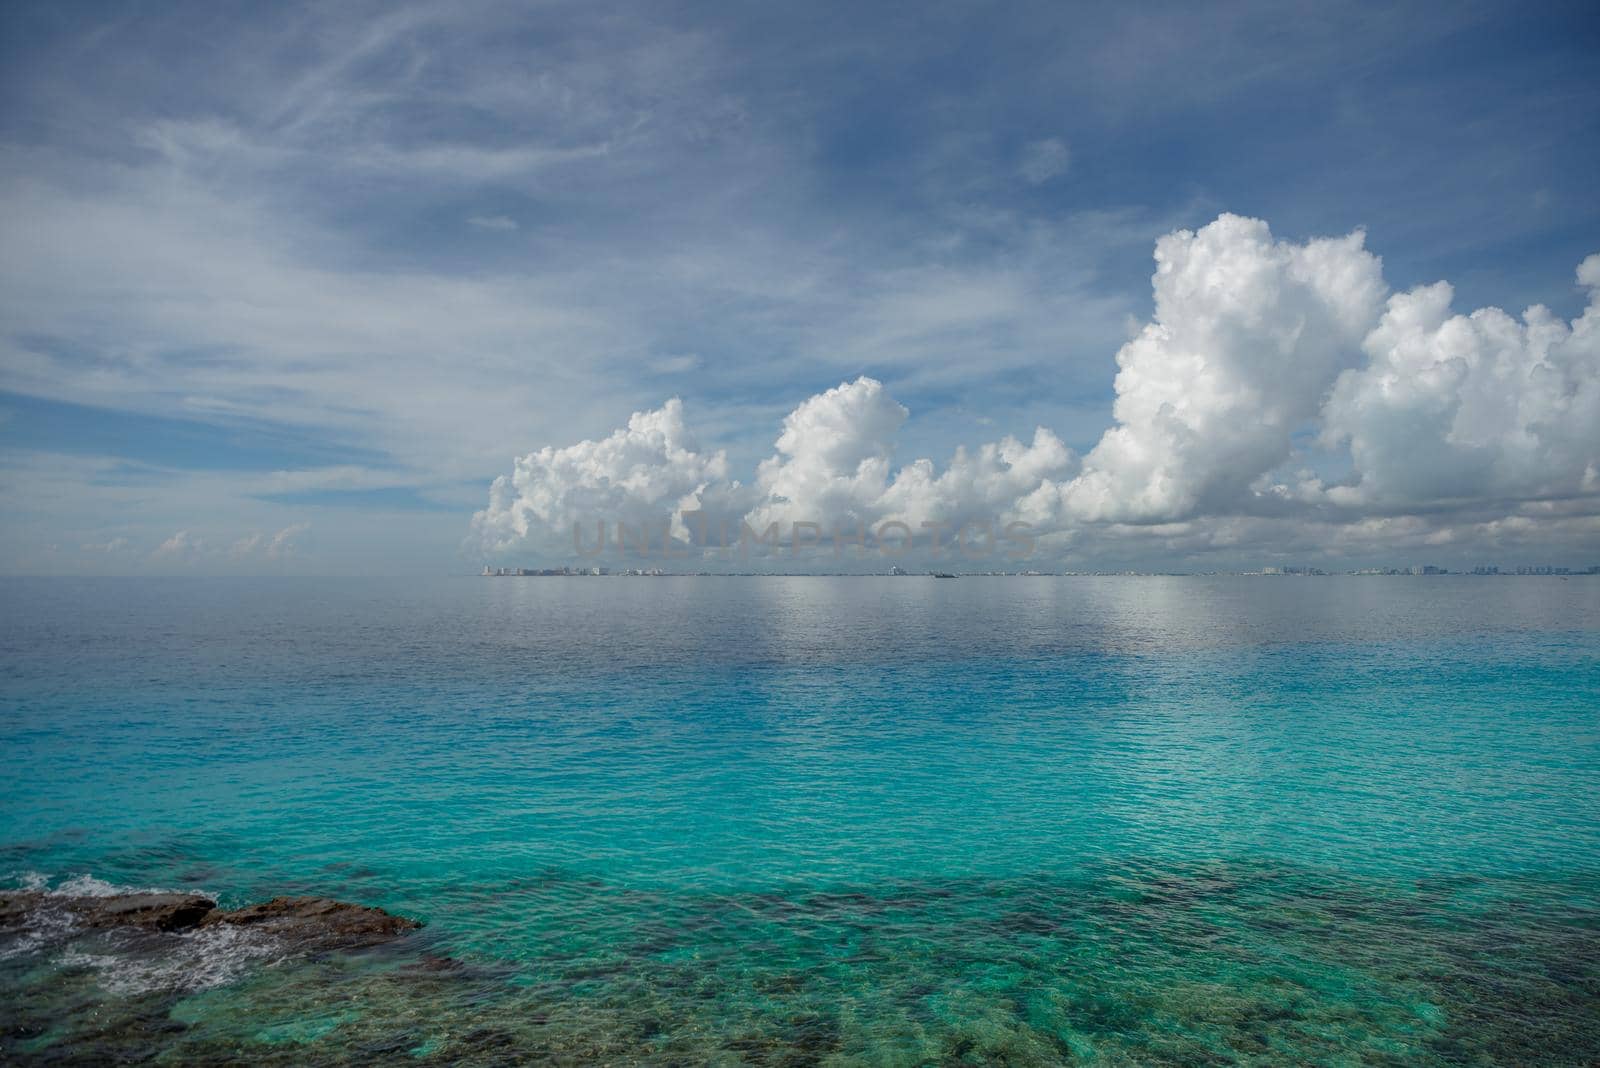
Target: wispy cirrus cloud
{"type": "Point", "coordinates": [1044, 160]}
{"type": "Point", "coordinates": [504, 224]}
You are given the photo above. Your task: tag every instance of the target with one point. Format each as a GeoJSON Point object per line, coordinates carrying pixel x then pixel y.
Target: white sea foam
{"type": "Point", "coordinates": [42, 927]}
{"type": "Point", "coordinates": [194, 960]}
{"type": "Point", "coordinates": [136, 963]}
{"type": "Point", "coordinates": [86, 885]}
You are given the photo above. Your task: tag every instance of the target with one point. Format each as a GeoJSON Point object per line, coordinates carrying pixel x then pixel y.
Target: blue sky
{"type": "Point", "coordinates": [330, 269]}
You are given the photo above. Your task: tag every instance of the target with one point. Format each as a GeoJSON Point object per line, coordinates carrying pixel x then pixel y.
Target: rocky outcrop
{"type": "Point", "coordinates": [317, 920]}
{"type": "Point", "coordinates": [304, 922]}
{"type": "Point", "coordinates": [158, 912]}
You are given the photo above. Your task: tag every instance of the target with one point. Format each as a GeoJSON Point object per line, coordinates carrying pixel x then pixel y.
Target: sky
{"type": "Point", "coordinates": [415, 287]}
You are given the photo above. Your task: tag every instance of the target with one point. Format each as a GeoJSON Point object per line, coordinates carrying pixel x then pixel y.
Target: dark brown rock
{"type": "Point", "coordinates": [15, 905]}
{"type": "Point", "coordinates": [310, 922]}
{"type": "Point", "coordinates": [164, 912]}
{"type": "Point", "coordinates": [320, 921]}
{"type": "Point", "coordinates": [159, 912]}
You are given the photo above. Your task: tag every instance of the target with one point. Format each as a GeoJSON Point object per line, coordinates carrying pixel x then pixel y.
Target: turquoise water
{"type": "Point", "coordinates": [815, 820]}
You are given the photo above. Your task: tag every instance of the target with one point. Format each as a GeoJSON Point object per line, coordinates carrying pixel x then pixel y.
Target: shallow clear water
{"type": "Point", "coordinates": [812, 820]}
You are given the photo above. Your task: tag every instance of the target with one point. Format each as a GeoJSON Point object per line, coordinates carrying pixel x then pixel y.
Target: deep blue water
{"type": "Point", "coordinates": [807, 820]}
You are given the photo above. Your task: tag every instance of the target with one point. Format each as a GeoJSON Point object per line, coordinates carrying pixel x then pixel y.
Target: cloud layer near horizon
{"type": "Point", "coordinates": [1280, 396]}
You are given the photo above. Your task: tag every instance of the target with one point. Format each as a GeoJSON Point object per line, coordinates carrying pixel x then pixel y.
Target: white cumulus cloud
{"type": "Point", "coordinates": [114, 545]}
{"type": "Point", "coordinates": [181, 546]}
{"type": "Point", "coordinates": [641, 475]}
{"type": "Point", "coordinates": [283, 542]}
{"type": "Point", "coordinates": [1437, 430]}
{"type": "Point", "coordinates": [997, 483]}
{"type": "Point", "coordinates": [1249, 335]}
{"type": "Point", "coordinates": [272, 546]}
{"type": "Point", "coordinates": [833, 459]}
{"type": "Point", "coordinates": [834, 467]}
{"type": "Point", "coordinates": [1461, 407]}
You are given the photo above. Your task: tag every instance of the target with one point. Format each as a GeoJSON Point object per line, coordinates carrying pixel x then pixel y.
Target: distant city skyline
{"type": "Point", "coordinates": [362, 288]}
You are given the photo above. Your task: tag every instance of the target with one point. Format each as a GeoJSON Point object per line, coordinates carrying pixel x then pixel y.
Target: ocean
{"type": "Point", "coordinates": [898, 821]}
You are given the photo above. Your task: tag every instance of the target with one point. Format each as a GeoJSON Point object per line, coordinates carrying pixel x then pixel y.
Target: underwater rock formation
{"type": "Point", "coordinates": [320, 921]}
